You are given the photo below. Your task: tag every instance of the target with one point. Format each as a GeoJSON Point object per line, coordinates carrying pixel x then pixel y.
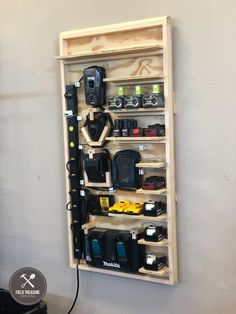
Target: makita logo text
{"type": "Point", "coordinates": [114, 265]}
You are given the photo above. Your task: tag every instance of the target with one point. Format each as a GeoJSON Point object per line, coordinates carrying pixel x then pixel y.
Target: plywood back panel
{"type": "Point", "coordinates": [114, 41]}
{"type": "Point", "coordinates": [124, 67]}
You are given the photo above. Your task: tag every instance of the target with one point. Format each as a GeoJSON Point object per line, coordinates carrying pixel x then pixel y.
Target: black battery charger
{"type": "Point", "coordinates": [114, 249]}
{"type": "Point", "coordinates": [94, 87]}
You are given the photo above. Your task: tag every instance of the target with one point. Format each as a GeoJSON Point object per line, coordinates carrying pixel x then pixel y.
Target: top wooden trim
{"type": "Point", "coordinates": [112, 28]}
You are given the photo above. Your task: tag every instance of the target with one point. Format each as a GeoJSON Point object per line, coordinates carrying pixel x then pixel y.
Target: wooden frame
{"type": "Point", "coordinates": [136, 52]}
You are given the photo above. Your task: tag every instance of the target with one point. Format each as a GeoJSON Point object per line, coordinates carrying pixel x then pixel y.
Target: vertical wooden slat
{"type": "Point", "coordinates": [170, 155]}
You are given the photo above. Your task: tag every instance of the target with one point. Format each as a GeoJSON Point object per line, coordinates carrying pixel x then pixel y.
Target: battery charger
{"type": "Point", "coordinates": [94, 87]}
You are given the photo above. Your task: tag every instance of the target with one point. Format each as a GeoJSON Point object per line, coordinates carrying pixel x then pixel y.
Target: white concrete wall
{"type": "Point", "coordinates": [32, 198]}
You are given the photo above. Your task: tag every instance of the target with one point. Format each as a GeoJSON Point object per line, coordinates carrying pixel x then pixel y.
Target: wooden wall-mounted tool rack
{"type": "Point", "coordinates": [133, 53]}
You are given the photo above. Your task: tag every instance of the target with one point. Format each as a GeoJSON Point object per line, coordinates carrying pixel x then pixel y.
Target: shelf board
{"type": "Point", "coordinates": [139, 111]}
{"type": "Point", "coordinates": [156, 192]}
{"type": "Point", "coordinates": [106, 53]}
{"type": "Point", "coordinates": [162, 243]}
{"type": "Point", "coordinates": [162, 217]}
{"type": "Point", "coordinates": [160, 273]}
{"type": "Point", "coordinates": [153, 139]}
{"type": "Point", "coordinates": [135, 78]}
{"type": "Point", "coordinates": [139, 276]}
{"type": "Point", "coordinates": [156, 165]}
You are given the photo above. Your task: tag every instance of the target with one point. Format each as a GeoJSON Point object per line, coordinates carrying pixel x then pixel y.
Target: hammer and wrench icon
{"type": "Point", "coordinates": [32, 276]}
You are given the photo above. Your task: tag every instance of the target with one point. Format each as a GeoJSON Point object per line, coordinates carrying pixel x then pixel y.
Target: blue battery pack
{"type": "Point", "coordinates": [97, 252]}
{"type": "Point", "coordinates": [121, 251]}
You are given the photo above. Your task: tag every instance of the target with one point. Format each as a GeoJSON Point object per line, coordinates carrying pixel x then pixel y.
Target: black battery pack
{"type": "Point", "coordinates": [154, 183]}
{"type": "Point", "coordinates": [154, 233]}
{"type": "Point", "coordinates": [153, 101]}
{"type": "Point", "coordinates": [155, 130]}
{"type": "Point", "coordinates": [132, 102]}
{"type": "Point", "coordinates": [155, 263]}
{"type": "Point", "coordinates": [115, 103]}
{"type": "Point", "coordinates": [154, 209]}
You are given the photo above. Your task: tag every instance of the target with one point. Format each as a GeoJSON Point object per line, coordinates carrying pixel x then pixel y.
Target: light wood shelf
{"type": "Point", "coordinates": [153, 139]}
{"type": "Point", "coordinates": [160, 273]}
{"type": "Point", "coordinates": [162, 217]}
{"type": "Point", "coordinates": [154, 192]}
{"type": "Point", "coordinates": [162, 243]}
{"type": "Point", "coordinates": [155, 165]}
{"type": "Point", "coordinates": [138, 112]}
{"type": "Point", "coordinates": [150, 78]}
{"type": "Point", "coordinates": [109, 52]}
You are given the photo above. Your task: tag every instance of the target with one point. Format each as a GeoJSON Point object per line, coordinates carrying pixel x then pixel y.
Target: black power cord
{"type": "Point", "coordinates": [77, 289]}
